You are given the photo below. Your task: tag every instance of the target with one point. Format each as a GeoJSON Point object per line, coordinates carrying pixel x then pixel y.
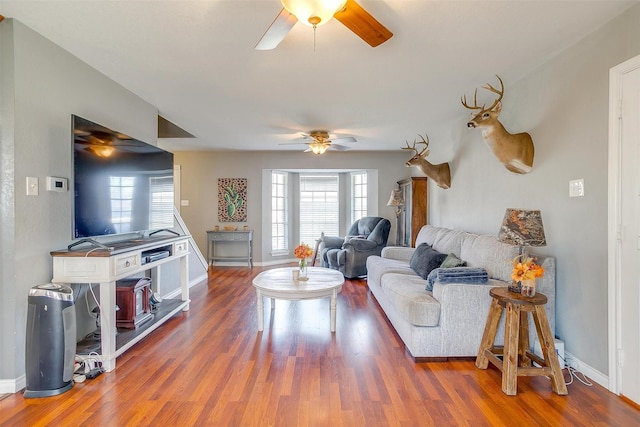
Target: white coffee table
{"type": "Point", "coordinates": [279, 284]}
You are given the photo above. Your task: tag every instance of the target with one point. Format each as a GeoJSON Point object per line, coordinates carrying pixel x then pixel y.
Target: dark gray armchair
{"type": "Point", "coordinates": [367, 236]}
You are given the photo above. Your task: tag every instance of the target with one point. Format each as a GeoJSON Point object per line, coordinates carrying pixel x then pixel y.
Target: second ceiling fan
{"type": "Point", "coordinates": [318, 12]}
{"type": "Point", "coordinates": [319, 141]}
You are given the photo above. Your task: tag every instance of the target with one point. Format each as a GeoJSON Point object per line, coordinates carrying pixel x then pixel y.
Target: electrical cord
{"type": "Point", "coordinates": [574, 373]}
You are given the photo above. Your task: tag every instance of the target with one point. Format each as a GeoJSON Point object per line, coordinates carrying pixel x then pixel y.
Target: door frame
{"type": "Point", "coordinates": [614, 219]}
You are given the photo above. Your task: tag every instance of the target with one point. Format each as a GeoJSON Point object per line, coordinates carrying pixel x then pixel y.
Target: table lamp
{"type": "Point", "coordinates": [522, 228]}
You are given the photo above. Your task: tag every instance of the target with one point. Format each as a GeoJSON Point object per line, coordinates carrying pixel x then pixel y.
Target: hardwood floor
{"type": "Point", "coordinates": [210, 366]}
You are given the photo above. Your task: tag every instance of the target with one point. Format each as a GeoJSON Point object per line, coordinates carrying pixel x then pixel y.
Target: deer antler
{"type": "Point", "coordinates": [475, 102]}
{"type": "Point", "coordinates": [415, 150]}
{"type": "Point", "coordinates": [494, 90]}
{"type": "Point", "coordinates": [475, 97]}
{"type": "Point", "coordinates": [411, 148]}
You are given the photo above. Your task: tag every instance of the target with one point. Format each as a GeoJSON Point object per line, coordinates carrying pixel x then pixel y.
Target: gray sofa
{"type": "Point", "coordinates": [448, 321]}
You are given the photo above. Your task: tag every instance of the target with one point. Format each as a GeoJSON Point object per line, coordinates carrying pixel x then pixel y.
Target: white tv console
{"type": "Point", "coordinates": [121, 260]}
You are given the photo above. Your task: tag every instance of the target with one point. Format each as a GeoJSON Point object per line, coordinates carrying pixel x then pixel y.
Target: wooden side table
{"type": "Point", "coordinates": [516, 357]}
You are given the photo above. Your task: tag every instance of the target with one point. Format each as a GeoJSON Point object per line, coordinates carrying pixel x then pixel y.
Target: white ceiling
{"type": "Point", "coordinates": [195, 61]}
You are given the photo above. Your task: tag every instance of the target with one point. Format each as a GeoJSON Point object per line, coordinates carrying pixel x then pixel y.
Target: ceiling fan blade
{"type": "Point", "coordinates": [365, 26]}
{"type": "Point", "coordinates": [276, 32]}
{"type": "Point", "coordinates": [343, 139]}
{"type": "Point", "coordinates": [294, 143]}
{"type": "Point", "coordinates": [338, 147]}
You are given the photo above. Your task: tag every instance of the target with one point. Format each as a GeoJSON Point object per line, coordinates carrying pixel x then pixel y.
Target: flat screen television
{"type": "Point", "coordinates": [121, 185]}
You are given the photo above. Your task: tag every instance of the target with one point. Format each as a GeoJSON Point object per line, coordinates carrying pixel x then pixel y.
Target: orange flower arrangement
{"type": "Point", "coordinates": [525, 268]}
{"type": "Point", "coordinates": [303, 251]}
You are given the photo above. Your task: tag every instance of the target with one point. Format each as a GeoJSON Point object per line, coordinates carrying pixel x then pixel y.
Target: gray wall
{"type": "Point", "coordinates": [41, 86]}
{"type": "Point", "coordinates": [564, 106]}
{"type": "Point", "coordinates": [201, 170]}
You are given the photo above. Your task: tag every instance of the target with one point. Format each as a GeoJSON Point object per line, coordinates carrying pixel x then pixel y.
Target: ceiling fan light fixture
{"type": "Point", "coordinates": [313, 12]}
{"type": "Point", "coordinates": [103, 151]}
{"type": "Point", "coordinates": [318, 147]}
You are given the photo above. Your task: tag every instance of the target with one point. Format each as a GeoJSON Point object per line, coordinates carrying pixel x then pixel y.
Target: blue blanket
{"type": "Point", "coordinates": [468, 275]}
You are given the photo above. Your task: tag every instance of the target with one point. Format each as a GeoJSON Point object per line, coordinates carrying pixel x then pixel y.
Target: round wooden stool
{"type": "Point", "coordinates": [516, 357]}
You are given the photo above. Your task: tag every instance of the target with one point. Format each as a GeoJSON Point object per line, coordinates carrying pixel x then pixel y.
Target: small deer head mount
{"type": "Point", "coordinates": [440, 174]}
{"type": "Point", "coordinates": [514, 151]}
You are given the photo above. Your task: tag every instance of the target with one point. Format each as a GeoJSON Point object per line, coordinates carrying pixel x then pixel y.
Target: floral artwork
{"type": "Point", "coordinates": [232, 199]}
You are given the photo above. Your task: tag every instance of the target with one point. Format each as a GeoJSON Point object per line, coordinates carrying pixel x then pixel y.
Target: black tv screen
{"type": "Point", "coordinates": [121, 185]}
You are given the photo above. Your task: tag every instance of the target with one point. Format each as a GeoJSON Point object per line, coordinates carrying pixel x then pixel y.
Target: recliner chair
{"type": "Point", "coordinates": [367, 236]}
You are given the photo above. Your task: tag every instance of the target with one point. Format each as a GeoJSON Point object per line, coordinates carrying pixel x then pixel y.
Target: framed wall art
{"type": "Point", "coordinates": [232, 199]}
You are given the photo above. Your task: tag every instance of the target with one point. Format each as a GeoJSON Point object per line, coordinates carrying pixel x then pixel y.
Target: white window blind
{"type": "Point", "coordinates": [279, 217]}
{"type": "Point", "coordinates": [319, 207]}
{"type": "Point", "coordinates": [161, 215]}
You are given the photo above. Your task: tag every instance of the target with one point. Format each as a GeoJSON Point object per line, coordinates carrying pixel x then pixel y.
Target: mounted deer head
{"type": "Point", "coordinates": [514, 151]}
{"type": "Point", "coordinates": [440, 174]}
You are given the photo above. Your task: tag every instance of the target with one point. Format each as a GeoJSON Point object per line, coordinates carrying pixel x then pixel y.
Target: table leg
{"type": "Point", "coordinates": [489, 335]}
{"type": "Point", "coordinates": [260, 310]}
{"type": "Point", "coordinates": [549, 350]}
{"type": "Point", "coordinates": [334, 301]}
{"type": "Point", "coordinates": [510, 357]}
{"type": "Point", "coordinates": [108, 325]}
{"type": "Point", "coordinates": [523, 343]}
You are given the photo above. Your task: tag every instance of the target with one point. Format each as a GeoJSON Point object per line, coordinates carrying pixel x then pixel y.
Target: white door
{"type": "Point", "coordinates": [628, 349]}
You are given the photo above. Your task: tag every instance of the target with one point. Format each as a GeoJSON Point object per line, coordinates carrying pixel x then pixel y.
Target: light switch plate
{"type": "Point", "coordinates": [576, 188]}
{"type": "Point", "coordinates": [32, 186]}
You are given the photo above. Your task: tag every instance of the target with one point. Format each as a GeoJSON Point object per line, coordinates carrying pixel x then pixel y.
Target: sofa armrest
{"type": "Point", "coordinates": [463, 314]}
{"type": "Point", "coordinates": [332, 242]}
{"type": "Point", "coordinates": [400, 253]}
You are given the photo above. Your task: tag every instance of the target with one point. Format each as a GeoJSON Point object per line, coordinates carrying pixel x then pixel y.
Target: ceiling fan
{"type": "Point", "coordinates": [319, 141]}
{"type": "Point", "coordinates": [318, 12]}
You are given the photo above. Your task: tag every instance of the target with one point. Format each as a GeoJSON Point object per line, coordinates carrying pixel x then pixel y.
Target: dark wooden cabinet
{"type": "Point", "coordinates": [413, 214]}
{"type": "Point", "coordinates": [132, 298]}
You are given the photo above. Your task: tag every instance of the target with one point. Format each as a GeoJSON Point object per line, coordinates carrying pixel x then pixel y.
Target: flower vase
{"type": "Point", "coordinates": [515, 287]}
{"type": "Point", "coordinates": [528, 288]}
{"type": "Point", "coordinates": [302, 268]}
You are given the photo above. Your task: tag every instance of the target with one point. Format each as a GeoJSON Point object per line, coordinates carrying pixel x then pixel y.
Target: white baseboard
{"type": "Point", "coordinates": [255, 264]}
{"type": "Point", "coordinates": [587, 370]}
{"type": "Point", "coordinates": [13, 386]}
{"type": "Point", "coordinates": [177, 292]}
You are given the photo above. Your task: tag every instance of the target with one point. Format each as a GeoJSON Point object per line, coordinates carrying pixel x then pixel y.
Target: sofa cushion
{"type": "Point", "coordinates": [407, 294]}
{"type": "Point", "coordinates": [448, 241]}
{"type": "Point", "coordinates": [452, 261]}
{"type": "Point", "coordinates": [378, 266]}
{"type": "Point", "coordinates": [486, 251]}
{"type": "Point", "coordinates": [425, 259]}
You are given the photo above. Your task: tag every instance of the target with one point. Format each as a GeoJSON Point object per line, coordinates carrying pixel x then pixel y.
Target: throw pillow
{"type": "Point", "coordinates": [453, 261]}
{"type": "Point", "coordinates": [425, 259]}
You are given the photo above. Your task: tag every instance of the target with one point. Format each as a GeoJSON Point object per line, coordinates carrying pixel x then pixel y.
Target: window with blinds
{"type": "Point", "coordinates": [358, 195]}
{"type": "Point", "coordinates": [121, 189]}
{"type": "Point", "coordinates": [279, 217]}
{"type": "Point", "coordinates": [161, 215]}
{"type": "Point", "coordinates": [319, 207]}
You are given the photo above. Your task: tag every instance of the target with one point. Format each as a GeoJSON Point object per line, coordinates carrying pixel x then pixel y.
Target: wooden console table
{"type": "Point", "coordinates": [124, 259]}
{"type": "Point", "coordinates": [215, 238]}
{"type": "Point", "coordinates": [516, 357]}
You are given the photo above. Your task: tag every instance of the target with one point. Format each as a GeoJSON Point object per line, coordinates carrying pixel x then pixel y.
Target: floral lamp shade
{"type": "Point", "coordinates": [522, 228]}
